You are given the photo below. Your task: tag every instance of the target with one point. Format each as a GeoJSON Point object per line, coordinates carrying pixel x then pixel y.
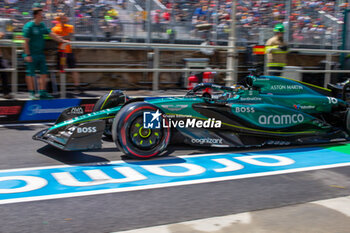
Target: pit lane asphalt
{"type": "Point", "coordinates": [137, 209]}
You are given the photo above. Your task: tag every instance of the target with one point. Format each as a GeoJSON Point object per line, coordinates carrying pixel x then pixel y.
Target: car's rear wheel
{"type": "Point", "coordinates": [133, 138]}
{"type": "Point", "coordinates": [347, 120]}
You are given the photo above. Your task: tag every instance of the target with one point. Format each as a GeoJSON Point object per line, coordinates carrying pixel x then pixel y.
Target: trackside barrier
{"type": "Point", "coordinates": [156, 70]}
{"type": "Point", "coordinates": [30, 111]}
{"type": "Point", "coordinates": [327, 71]}
{"type": "Point", "coordinates": [156, 49]}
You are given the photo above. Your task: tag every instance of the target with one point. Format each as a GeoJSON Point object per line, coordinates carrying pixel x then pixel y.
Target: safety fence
{"type": "Point", "coordinates": [305, 25]}
{"type": "Point", "coordinates": [156, 69]}
{"type": "Point", "coordinates": [156, 48]}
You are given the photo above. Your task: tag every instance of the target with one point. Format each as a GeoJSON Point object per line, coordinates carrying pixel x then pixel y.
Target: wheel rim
{"type": "Point", "coordinates": [144, 138]}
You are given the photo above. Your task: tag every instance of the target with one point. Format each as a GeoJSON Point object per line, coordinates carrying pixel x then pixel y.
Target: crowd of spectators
{"type": "Point", "coordinates": [16, 12]}
{"type": "Point", "coordinates": [308, 22]}
{"type": "Point", "coordinates": [92, 16]}
{"type": "Point", "coordinates": [87, 13]}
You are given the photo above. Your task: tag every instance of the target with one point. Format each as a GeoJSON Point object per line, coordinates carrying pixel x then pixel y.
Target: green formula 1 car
{"type": "Point", "coordinates": [267, 110]}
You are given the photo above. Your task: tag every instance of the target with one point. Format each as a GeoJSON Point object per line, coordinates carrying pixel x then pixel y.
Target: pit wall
{"type": "Point", "coordinates": [135, 58]}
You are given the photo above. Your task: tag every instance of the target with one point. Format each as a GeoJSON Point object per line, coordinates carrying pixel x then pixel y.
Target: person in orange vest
{"type": "Point", "coordinates": [276, 50]}
{"type": "Point", "coordinates": [66, 31]}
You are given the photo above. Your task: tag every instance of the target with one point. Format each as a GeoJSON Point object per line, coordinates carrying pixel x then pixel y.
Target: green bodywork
{"type": "Point", "coordinates": [111, 112]}
{"type": "Point", "coordinates": [272, 105]}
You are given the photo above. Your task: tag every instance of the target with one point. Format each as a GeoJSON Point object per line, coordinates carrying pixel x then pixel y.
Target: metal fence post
{"type": "Point", "coordinates": [231, 63]}
{"type": "Point", "coordinates": [135, 25]}
{"type": "Point", "coordinates": [216, 21]}
{"type": "Point", "coordinates": [63, 84]}
{"type": "Point", "coordinates": [287, 19]}
{"type": "Point", "coordinates": [14, 75]}
{"type": "Point", "coordinates": [327, 75]}
{"type": "Point", "coordinates": [149, 21]}
{"type": "Point", "coordinates": [155, 83]}
{"type": "Point", "coordinates": [266, 71]}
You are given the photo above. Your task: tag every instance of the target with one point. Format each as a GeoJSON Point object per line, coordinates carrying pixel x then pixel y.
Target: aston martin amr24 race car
{"type": "Point", "coordinates": [267, 110]}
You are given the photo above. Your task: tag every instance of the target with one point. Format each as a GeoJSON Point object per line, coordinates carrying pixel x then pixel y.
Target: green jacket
{"type": "Point", "coordinates": [35, 33]}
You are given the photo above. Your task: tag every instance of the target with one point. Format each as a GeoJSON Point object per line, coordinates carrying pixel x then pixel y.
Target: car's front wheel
{"type": "Point", "coordinates": [134, 138]}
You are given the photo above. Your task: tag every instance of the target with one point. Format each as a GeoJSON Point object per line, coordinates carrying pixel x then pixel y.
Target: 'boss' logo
{"type": "Point", "coordinates": [245, 109]}
{"type": "Point", "coordinates": [86, 130]}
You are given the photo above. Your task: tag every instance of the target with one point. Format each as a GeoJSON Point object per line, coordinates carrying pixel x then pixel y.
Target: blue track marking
{"type": "Point", "coordinates": [30, 184]}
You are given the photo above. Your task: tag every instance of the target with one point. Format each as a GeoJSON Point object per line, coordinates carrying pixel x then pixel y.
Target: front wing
{"type": "Point", "coordinates": [84, 136]}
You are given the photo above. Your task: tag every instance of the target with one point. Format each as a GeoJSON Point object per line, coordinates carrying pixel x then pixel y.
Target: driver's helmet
{"type": "Point", "coordinates": [237, 87]}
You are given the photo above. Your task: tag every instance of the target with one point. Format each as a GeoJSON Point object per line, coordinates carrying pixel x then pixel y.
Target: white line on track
{"type": "Point", "coordinates": [341, 204]}
{"type": "Point", "coordinates": [116, 190]}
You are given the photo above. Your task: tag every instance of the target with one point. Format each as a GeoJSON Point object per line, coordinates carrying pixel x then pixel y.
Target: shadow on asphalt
{"type": "Point", "coordinates": [172, 154]}
{"type": "Point", "coordinates": [183, 150]}
{"type": "Point", "coordinates": [70, 157]}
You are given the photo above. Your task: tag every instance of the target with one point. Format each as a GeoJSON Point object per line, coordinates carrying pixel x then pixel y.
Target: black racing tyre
{"type": "Point", "coordinates": [113, 99]}
{"type": "Point", "coordinates": [132, 138]}
{"type": "Point", "coordinates": [347, 120]}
